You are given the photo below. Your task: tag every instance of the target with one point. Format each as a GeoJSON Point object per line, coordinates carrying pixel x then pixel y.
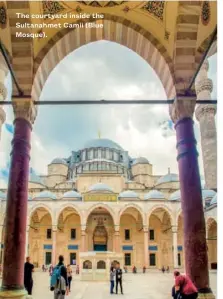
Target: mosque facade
{"type": "Point", "coordinates": [101, 199]}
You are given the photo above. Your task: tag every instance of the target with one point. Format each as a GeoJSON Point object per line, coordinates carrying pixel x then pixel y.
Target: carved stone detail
{"type": "Point", "coordinates": [25, 108]}
{"type": "Point", "coordinates": [155, 8]}
{"type": "Point", "coordinates": [3, 91]}
{"type": "Point", "coordinates": [203, 110]}
{"type": "Point", "coordinates": [204, 85]}
{"type": "Point", "coordinates": [3, 16]}
{"type": "Point", "coordinates": [206, 13]}
{"type": "Point", "coordinates": [2, 117]}
{"type": "Point", "coordinates": [181, 109]}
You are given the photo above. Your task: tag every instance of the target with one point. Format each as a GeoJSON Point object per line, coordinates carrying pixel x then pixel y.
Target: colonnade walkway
{"type": "Point", "coordinates": [152, 285]}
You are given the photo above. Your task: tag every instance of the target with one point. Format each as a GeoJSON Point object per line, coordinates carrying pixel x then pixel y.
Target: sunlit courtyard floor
{"type": "Point", "coordinates": [152, 285]}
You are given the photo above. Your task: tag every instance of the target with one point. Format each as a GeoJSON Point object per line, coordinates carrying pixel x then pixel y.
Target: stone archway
{"type": "Point", "coordinates": [99, 230]}
{"type": "Point", "coordinates": [115, 29]}
{"type": "Point", "coordinates": [160, 251]}
{"type": "Point", "coordinates": [212, 242]}
{"type": "Point", "coordinates": [40, 245]}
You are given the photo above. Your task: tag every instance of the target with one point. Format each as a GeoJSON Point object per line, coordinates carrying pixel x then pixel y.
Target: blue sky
{"type": "Point", "coordinates": [102, 70]}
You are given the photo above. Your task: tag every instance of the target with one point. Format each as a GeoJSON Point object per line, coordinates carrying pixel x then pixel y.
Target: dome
{"type": "Point", "coordinates": [100, 187]}
{"type": "Point", "coordinates": [33, 178]}
{"type": "Point", "coordinates": [46, 194]}
{"type": "Point", "coordinates": [128, 194]}
{"type": "Point", "coordinates": [58, 161]}
{"type": "Point", "coordinates": [208, 194]}
{"type": "Point", "coordinates": [175, 195]}
{"type": "Point", "coordinates": [214, 200]}
{"type": "Point", "coordinates": [170, 177]}
{"type": "Point", "coordinates": [72, 194]}
{"type": "Point", "coordinates": [2, 195]}
{"type": "Point", "coordinates": [154, 194]}
{"type": "Point", "coordinates": [140, 160]}
{"type": "Point", "coordinates": [102, 142]}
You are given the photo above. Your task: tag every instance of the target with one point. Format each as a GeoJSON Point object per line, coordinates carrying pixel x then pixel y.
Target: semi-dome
{"type": "Point", "coordinates": [2, 195]}
{"type": "Point", "coordinates": [140, 160]}
{"type": "Point", "coordinates": [72, 194]}
{"type": "Point", "coordinates": [170, 177]}
{"type": "Point", "coordinates": [100, 187]}
{"type": "Point", "coordinates": [46, 194]}
{"type": "Point", "coordinates": [175, 195]}
{"type": "Point", "coordinates": [154, 194]}
{"type": "Point", "coordinates": [214, 200]}
{"type": "Point", "coordinates": [103, 142]}
{"type": "Point", "coordinates": [128, 194]}
{"type": "Point", "coordinates": [59, 161]}
{"type": "Point", "coordinates": [208, 193]}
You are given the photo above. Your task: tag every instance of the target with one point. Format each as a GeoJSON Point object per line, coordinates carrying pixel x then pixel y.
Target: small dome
{"type": "Point", "coordinates": [170, 177]}
{"type": "Point", "coordinates": [72, 194]}
{"type": "Point", "coordinates": [208, 194]}
{"type": "Point", "coordinates": [128, 194]}
{"type": "Point", "coordinates": [34, 178]}
{"type": "Point", "coordinates": [214, 200]}
{"type": "Point", "coordinates": [2, 195]}
{"type": "Point", "coordinates": [140, 160]}
{"type": "Point", "coordinates": [59, 161]}
{"type": "Point", "coordinates": [154, 194]}
{"type": "Point", "coordinates": [100, 187]}
{"type": "Point", "coordinates": [103, 142]}
{"type": "Point", "coordinates": [175, 195]}
{"type": "Point", "coordinates": [46, 194]}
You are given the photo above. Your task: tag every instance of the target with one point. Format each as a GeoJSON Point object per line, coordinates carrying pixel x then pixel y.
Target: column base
{"type": "Point", "coordinates": [15, 294]}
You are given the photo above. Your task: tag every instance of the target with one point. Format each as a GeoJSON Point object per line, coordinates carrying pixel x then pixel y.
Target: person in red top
{"type": "Point", "coordinates": [185, 286]}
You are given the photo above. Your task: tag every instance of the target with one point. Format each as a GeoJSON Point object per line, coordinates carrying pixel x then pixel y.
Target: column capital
{"type": "Point", "coordinates": [117, 228]}
{"type": "Point", "coordinates": [25, 108]}
{"type": "Point", "coordinates": [145, 229]}
{"type": "Point", "coordinates": [2, 116]}
{"type": "Point", "coordinates": [181, 109]}
{"type": "Point", "coordinates": [174, 229]}
{"type": "Point", "coordinates": [207, 109]}
{"type": "Point", "coordinates": [3, 91]}
{"type": "Point", "coordinates": [54, 228]}
{"type": "Point", "coordinates": [204, 84]}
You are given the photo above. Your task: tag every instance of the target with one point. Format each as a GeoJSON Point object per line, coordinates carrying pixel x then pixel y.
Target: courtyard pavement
{"type": "Point", "coordinates": [152, 285]}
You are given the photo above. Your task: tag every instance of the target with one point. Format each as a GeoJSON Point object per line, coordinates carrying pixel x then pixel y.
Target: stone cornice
{"type": "Point", "coordinates": [204, 110]}
{"type": "Point", "coordinates": [181, 109]}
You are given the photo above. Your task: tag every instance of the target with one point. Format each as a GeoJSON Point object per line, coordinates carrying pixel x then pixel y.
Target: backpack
{"type": "Point", "coordinates": [55, 277]}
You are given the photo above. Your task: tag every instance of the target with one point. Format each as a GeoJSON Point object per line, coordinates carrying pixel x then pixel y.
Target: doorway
{"type": "Point", "coordinates": [48, 258]}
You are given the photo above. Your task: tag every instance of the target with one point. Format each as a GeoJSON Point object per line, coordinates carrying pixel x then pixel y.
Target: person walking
{"type": "Point", "coordinates": [69, 276]}
{"type": "Point", "coordinates": [59, 281]}
{"type": "Point", "coordinates": [118, 276]}
{"type": "Point", "coordinates": [112, 279]}
{"type": "Point", "coordinates": [185, 286]}
{"type": "Point", "coordinates": [28, 279]}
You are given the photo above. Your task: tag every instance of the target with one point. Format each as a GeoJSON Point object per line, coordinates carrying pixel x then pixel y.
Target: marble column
{"type": "Point", "coordinates": [175, 247]}
{"type": "Point", "coordinates": [17, 199]}
{"type": "Point", "coordinates": [146, 247]}
{"type": "Point", "coordinates": [83, 241]}
{"type": "Point", "coordinates": [205, 114]}
{"type": "Point", "coordinates": [54, 246]}
{"type": "Point", "coordinates": [3, 95]}
{"type": "Point", "coordinates": [195, 246]}
{"type": "Point", "coordinates": [117, 244]}
{"type": "Point", "coordinates": [27, 243]}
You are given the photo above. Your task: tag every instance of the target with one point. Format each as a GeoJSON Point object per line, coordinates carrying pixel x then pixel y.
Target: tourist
{"type": "Point", "coordinates": [163, 269]}
{"type": "Point", "coordinates": [112, 279]}
{"type": "Point", "coordinates": [77, 270]}
{"type": "Point", "coordinates": [43, 268]}
{"type": "Point", "coordinates": [134, 269]}
{"type": "Point", "coordinates": [59, 281]}
{"type": "Point", "coordinates": [28, 279]}
{"type": "Point", "coordinates": [118, 278]}
{"type": "Point", "coordinates": [69, 276]}
{"type": "Point", "coordinates": [167, 269]}
{"type": "Point", "coordinates": [185, 286]}
{"type": "Point", "coordinates": [144, 269]}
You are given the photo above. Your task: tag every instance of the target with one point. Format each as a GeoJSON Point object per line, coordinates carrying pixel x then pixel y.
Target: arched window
{"type": "Point", "coordinates": [101, 265]}
{"type": "Point", "coordinates": [87, 265]}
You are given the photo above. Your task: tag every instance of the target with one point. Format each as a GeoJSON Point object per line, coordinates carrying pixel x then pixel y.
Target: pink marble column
{"type": "Point", "coordinates": [17, 199]}
{"type": "Point", "coordinates": [146, 249]}
{"type": "Point", "coordinates": [54, 235]}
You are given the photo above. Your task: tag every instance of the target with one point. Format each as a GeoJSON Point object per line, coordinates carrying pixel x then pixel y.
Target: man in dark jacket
{"type": "Point", "coordinates": [118, 278]}
{"type": "Point", "coordinates": [28, 279]}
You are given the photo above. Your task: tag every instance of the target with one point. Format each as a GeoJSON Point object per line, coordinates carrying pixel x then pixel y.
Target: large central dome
{"type": "Point", "coordinates": [103, 142]}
